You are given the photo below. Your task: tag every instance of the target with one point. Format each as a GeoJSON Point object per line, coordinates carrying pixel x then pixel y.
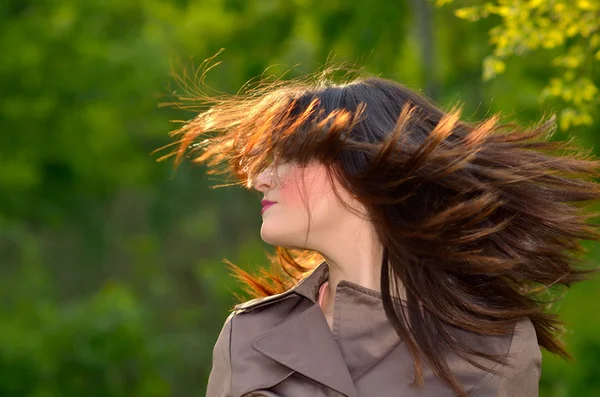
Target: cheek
{"type": "Point", "coordinates": [290, 190]}
{"type": "Point", "coordinates": [300, 185]}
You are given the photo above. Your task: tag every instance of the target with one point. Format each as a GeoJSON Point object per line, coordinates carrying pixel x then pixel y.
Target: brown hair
{"type": "Point", "coordinates": [479, 220]}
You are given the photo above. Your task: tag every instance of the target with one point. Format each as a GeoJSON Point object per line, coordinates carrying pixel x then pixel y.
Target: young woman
{"type": "Point", "coordinates": [415, 251]}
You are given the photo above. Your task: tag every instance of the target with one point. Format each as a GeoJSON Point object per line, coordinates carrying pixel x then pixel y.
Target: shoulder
{"type": "Point", "coordinates": [521, 373]}
{"type": "Point", "coordinates": [518, 348]}
{"type": "Point", "coordinates": [219, 379]}
{"type": "Point", "coordinates": [262, 301]}
{"type": "Point", "coordinates": [239, 317]}
{"type": "Point", "coordinates": [514, 345]}
{"type": "Point", "coordinates": [524, 353]}
{"type": "Point", "coordinates": [257, 315]}
{"type": "Point", "coordinates": [238, 364]}
{"type": "Point", "coordinates": [224, 338]}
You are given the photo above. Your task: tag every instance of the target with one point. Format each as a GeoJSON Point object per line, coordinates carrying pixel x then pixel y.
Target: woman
{"type": "Point", "coordinates": [415, 251]}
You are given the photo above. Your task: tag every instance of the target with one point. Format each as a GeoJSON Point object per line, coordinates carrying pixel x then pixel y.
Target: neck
{"type": "Point", "coordinates": [353, 253]}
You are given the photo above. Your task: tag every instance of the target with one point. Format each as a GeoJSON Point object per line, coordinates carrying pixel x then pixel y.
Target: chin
{"type": "Point", "coordinates": [274, 240]}
{"type": "Point", "coordinates": [277, 239]}
{"type": "Point", "coordinates": [271, 237]}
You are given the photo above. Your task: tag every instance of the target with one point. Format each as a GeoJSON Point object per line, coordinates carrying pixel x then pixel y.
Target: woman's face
{"type": "Point", "coordinates": [291, 186]}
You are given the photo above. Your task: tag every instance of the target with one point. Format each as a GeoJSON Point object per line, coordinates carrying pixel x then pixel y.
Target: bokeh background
{"type": "Point", "coordinates": [112, 275]}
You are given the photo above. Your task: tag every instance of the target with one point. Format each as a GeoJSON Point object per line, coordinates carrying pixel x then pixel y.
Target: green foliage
{"type": "Point", "coordinates": [568, 30]}
{"type": "Point", "coordinates": [101, 346]}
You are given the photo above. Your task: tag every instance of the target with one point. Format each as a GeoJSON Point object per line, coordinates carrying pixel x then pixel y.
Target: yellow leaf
{"type": "Point", "coordinates": [502, 41]}
{"type": "Point", "coordinates": [584, 119]}
{"type": "Point", "coordinates": [567, 94]}
{"type": "Point", "coordinates": [553, 38]}
{"type": "Point", "coordinates": [556, 86]}
{"type": "Point", "coordinates": [586, 5]}
{"type": "Point", "coordinates": [589, 90]}
{"type": "Point", "coordinates": [572, 30]}
{"type": "Point", "coordinates": [566, 118]}
{"type": "Point", "coordinates": [499, 67]}
{"type": "Point", "coordinates": [535, 3]}
{"type": "Point", "coordinates": [469, 13]}
{"type": "Point", "coordinates": [571, 62]}
{"type": "Point", "coordinates": [492, 66]}
{"type": "Point", "coordinates": [503, 11]}
{"type": "Point", "coordinates": [543, 22]}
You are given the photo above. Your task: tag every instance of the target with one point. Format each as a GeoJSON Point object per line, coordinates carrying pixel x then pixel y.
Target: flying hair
{"type": "Point", "coordinates": [480, 221]}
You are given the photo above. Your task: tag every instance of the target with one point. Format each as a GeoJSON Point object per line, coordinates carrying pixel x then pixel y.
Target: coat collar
{"type": "Point", "coordinates": [307, 287]}
{"type": "Point", "coordinates": [306, 345]}
{"type": "Point", "coordinates": [360, 338]}
{"type": "Point", "coordinates": [304, 342]}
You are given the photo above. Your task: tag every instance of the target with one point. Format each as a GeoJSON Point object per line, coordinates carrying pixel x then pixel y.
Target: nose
{"type": "Point", "coordinates": [264, 180]}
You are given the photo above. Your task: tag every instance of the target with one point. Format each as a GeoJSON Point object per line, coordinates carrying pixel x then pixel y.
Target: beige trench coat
{"type": "Point", "coordinates": [282, 346]}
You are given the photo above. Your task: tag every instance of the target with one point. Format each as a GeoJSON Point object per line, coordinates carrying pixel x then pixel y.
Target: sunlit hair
{"type": "Point", "coordinates": [480, 221]}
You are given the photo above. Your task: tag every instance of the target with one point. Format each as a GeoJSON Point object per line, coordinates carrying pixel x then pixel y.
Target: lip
{"type": "Point", "coordinates": [266, 204]}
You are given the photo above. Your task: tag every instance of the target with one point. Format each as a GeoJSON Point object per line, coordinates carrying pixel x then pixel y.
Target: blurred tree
{"type": "Point", "coordinates": [111, 263]}
{"type": "Point", "coordinates": [568, 30]}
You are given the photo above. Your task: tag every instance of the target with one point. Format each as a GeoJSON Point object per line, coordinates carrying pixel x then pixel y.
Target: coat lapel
{"type": "Point", "coordinates": [305, 344]}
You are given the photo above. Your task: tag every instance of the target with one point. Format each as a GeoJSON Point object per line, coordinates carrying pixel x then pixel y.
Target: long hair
{"type": "Point", "coordinates": [479, 221]}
